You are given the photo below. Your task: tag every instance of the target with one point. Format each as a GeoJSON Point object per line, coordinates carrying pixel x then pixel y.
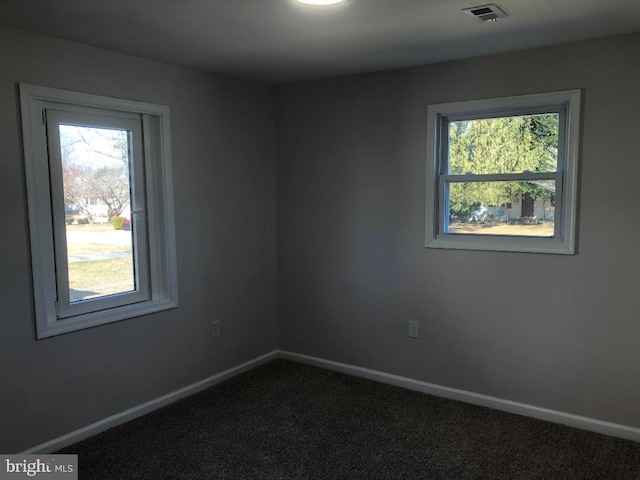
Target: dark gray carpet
{"type": "Point", "coordinates": [290, 421]}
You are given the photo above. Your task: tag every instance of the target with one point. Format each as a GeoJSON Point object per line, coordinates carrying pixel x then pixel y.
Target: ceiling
{"type": "Point", "coordinates": [279, 41]}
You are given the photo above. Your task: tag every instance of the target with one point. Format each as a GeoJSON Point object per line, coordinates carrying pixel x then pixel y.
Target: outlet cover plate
{"type": "Point", "coordinates": [215, 329]}
{"type": "Point", "coordinates": [413, 329]}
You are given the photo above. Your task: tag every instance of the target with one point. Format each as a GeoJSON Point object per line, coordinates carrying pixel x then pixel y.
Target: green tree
{"type": "Point", "coordinates": [497, 146]}
{"type": "Point", "coordinates": [97, 172]}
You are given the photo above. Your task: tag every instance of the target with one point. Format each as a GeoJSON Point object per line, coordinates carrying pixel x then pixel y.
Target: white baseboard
{"type": "Point", "coordinates": [576, 421]}
{"type": "Point", "coordinates": [147, 407]}
{"type": "Point", "coordinates": [585, 423]}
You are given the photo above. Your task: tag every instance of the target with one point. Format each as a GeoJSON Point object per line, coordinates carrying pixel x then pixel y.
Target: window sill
{"type": "Point", "coordinates": [498, 243]}
{"type": "Point", "coordinates": [94, 319]}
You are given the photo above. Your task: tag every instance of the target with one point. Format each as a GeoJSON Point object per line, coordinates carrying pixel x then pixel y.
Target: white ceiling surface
{"type": "Point", "coordinates": [279, 41]}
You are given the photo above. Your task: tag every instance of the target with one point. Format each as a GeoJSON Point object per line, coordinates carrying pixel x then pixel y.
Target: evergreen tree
{"type": "Point", "coordinates": [497, 146]}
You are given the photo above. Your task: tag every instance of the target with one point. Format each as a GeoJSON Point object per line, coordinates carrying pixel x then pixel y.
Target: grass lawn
{"type": "Point", "coordinates": [97, 238]}
{"type": "Point", "coordinates": [91, 278]}
{"type": "Point", "coordinates": [96, 227]}
{"type": "Point", "coordinates": [101, 277]}
{"type": "Point", "coordinates": [74, 248]}
{"type": "Point", "coordinates": [539, 230]}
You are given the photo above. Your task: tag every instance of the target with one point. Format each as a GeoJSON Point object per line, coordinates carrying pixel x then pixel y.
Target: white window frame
{"type": "Point", "coordinates": [43, 109]}
{"type": "Point", "coordinates": [567, 105]}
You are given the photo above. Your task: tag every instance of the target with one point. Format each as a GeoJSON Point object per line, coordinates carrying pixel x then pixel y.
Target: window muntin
{"type": "Point", "coordinates": [502, 173]}
{"type": "Point", "coordinates": [124, 147]}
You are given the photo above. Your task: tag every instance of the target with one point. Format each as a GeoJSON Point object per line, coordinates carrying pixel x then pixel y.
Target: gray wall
{"type": "Point", "coordinates": [224, 186]}
{"type": "Point", "coordinates": [353, 269]}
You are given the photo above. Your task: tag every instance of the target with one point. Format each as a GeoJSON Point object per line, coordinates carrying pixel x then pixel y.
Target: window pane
{"type": "Point", "coordinates": [504, 145]}
{"type": "Point", "coordinates": [97, 196]}
{"type": "Point", "coordinates": [502, 208]}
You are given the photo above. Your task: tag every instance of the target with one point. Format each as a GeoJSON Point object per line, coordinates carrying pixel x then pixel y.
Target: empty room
{"type": "Point", "coordinates": [287, 239]}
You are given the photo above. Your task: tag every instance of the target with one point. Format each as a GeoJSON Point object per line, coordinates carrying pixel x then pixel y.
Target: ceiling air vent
{"type": "Point", "coordinates": [486, 13]}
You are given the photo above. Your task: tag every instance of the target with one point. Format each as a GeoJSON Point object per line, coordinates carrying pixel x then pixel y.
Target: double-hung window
{"type": "Point", "coordinates": [502, 173]}
{"type": "Point", "coordinates": [100, 208]}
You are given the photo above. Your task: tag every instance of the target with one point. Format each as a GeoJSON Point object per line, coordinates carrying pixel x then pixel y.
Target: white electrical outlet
{"type": "Point", "coordinates": [413, 328]}
{"type": "Point", "coordinates": [215, 329]}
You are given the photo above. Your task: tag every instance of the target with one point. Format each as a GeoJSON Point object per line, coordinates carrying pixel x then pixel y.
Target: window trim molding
{"type": "Point", "coordinates": [562, 243]}
{"type": "Point", "coordinates": [159, 186]}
